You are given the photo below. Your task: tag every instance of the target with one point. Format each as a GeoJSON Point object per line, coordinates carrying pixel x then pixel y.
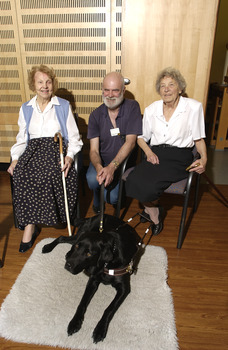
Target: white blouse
{"type": "Point", "coordinates": [45, 124]}
{"type": "Point", "coordinates": [184, 127]}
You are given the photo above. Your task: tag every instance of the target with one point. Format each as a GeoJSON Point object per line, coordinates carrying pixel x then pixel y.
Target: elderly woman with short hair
{"type": "Point", "coordinates": [171, 128]}
{"type": "Point", "coordinates": [38, 192]}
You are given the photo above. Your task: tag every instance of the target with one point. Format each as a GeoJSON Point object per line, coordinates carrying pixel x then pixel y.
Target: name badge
{"type": "Point", "coordinates": [115, 132]}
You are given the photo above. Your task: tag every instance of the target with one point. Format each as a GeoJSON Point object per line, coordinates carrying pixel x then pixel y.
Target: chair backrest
{"type": "Point", "coordinates": [127, 172]}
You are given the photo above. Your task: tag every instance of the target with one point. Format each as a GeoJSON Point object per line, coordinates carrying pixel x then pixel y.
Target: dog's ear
{"type": "Point", "coordinates": [106, 254]}
{"type": "Point", "coordinates": [88, 224]}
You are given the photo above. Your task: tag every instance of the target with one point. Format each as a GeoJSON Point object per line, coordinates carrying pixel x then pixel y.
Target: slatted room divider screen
{"type": "Point", "coordinates": [80, 39]}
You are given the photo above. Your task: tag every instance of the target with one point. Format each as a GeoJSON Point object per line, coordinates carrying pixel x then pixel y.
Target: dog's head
{"type": "Point", "coordinates": [89, 253]}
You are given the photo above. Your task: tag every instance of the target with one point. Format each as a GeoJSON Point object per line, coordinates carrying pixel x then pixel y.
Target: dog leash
{"type": "Point", "coordinates": [140, 246]}
{"type": "Point", "coordinates": [130, 267]}
{"type": "Point", "coordinates": [145, 233]}
{"type": "Point", "coordinates": [101, 228]}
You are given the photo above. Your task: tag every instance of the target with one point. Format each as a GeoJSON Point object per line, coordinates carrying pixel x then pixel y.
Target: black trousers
{"type": "Point", "coordinates": [148, 181]}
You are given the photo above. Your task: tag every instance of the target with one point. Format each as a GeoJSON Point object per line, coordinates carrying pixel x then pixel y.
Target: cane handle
{"type": "Point", "coordinates": [58, 135]}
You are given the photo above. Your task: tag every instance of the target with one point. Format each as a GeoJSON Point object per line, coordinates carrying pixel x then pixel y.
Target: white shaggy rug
{"type": "Point", "coordinates": [45, 296]}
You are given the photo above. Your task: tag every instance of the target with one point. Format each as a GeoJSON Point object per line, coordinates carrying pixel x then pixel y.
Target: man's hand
{"type": "Point", "coordinates": [106, 175]}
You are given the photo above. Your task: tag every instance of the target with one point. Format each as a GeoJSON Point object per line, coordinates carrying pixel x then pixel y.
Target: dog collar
{"type": "Point", "coordinates": [118, 272]}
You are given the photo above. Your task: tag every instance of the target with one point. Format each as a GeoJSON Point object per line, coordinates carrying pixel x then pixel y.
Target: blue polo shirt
{"type": "Point", "coordinates": [129, 122]}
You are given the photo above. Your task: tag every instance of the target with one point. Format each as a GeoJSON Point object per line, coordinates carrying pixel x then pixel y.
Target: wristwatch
{"type": "Point", "coordinates": [116, 163]}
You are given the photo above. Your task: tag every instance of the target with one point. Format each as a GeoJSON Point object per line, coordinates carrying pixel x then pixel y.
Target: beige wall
{"type": "Point", "coordinates": [161, 33]}
{"type": "Point", "coordinates": [82, 40]}
{"type": "Point", "coordinates": [221, 40]}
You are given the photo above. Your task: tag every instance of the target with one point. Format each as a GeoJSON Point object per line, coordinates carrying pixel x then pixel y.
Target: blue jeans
{"type": "Point", "coordinates": [95, 187]}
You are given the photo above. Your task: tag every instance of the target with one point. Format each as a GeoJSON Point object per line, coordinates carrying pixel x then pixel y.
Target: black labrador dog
{"type": "Point", "coordinates": [107, 257]}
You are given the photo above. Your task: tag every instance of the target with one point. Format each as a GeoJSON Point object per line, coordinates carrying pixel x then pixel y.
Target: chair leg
{"type": "Point", "coordinates": [118, 206]}
{"type": "Point", "coordinates": [182, 234]}
{"type": "Point", "coordinates": [78, 207]}
{"type": "Point", "coordinates": [14, 214]}
{"type": "Point", "coordinates": [196, 193]}
{"type": "Point", "coordinates": [182, 224]}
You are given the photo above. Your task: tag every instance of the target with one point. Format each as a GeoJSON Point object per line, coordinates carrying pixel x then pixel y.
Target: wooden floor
{"type": "Point", "coordinates": [197, 273]}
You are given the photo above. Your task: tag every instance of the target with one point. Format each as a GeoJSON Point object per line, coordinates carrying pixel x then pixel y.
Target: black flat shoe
{"type": "Point", "coordinates": [157, 228]}
{"type": "Point", "coordinates": [144, 217]}
{"type": "Point", "coordinates": [26, 246]}
{"type": "Point", "coordinates": [96, 210]}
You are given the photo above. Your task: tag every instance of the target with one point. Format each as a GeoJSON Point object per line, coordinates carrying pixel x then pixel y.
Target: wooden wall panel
{"type": "Point", "coordinates": [161, 33]}
{"type": "Point", "coordinates": [12, 91]}
{"type": "Point", "coordinates": [80, 39]}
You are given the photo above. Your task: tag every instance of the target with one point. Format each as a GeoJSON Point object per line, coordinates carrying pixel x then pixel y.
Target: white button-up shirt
{"type": "Point", "coordinates": [185, 125]}
{"type": "Point", "coordinates": [45, 124]}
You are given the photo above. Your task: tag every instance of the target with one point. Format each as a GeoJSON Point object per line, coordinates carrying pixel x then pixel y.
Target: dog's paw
{"type": "Point", "coordinates": [74, 326]}
{"type": "Point", "coordinates": [46, 248]}
{"type": "Point", "coordinates": [99, 332]}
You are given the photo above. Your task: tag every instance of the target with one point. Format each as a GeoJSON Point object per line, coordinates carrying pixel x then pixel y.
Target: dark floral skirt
{"type": "Point", "coordinates": [38, 195]}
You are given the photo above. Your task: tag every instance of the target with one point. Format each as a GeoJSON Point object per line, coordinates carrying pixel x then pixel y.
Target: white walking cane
{"type": "Point", "coordinates": [63, 179]}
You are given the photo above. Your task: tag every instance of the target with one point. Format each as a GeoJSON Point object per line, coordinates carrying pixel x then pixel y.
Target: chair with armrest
{"type": "Point", "coordinates": [183, 188]}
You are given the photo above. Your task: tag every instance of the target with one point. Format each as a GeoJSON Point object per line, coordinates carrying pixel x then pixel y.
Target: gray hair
{"type": "Point", "coordinates": [174, 74]}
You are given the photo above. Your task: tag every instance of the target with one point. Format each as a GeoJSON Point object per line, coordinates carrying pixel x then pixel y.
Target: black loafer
{"type": "Point", "coordinates": [96, 210]}
{"type": "Point", "coordinates": [157, 228]}
{"type": "Point", "coordinates": [26, 246]}
{"type": "Point", "coordinates": [144, 217]}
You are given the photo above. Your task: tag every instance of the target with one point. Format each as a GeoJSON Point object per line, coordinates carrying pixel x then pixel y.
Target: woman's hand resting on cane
{"type": "Point", "coordinates": [12, 166]}
{"type": "Point", "coordinates": [67, 165]}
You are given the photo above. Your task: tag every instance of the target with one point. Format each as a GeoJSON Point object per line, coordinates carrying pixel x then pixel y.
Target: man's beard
{"type": "Point", "coordinates": [113, 102]}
